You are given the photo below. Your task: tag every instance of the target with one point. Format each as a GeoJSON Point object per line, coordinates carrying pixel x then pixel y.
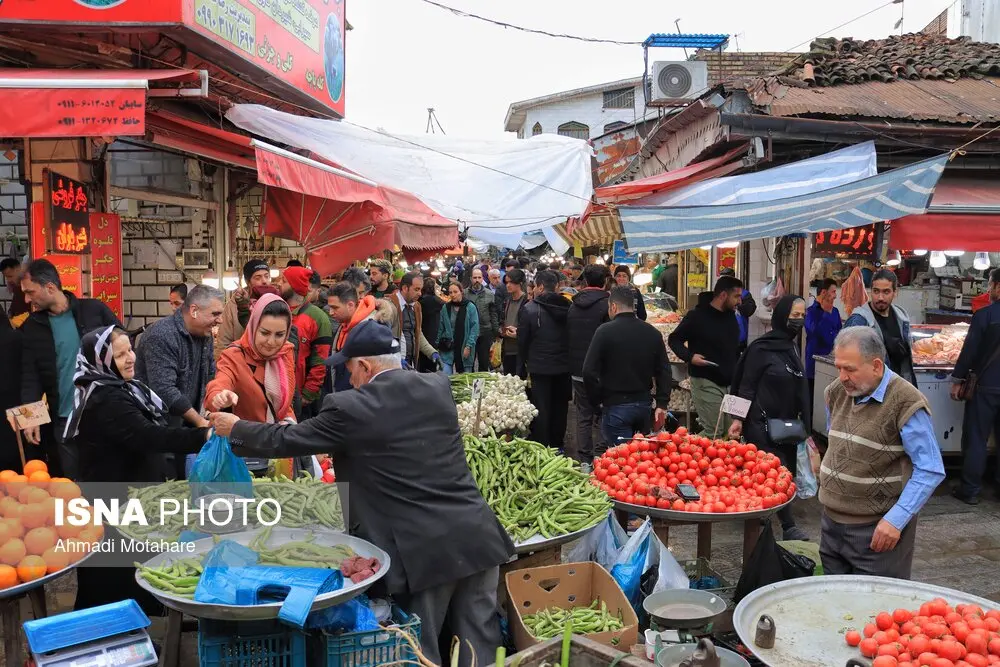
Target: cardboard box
{"type": "Point", "coordinates": [567, 587]}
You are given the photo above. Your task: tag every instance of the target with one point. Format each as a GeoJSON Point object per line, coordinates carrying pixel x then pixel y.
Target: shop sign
{"type": "Point", "coordinates": [69, 267]}
{"type": "Point", "coordinates": [106, 261]}
{"type": "Point", "coordinates": [725, 258]}
{"type": "Point", "coordinates": [852, 243]}
{"type": "Point", "coordinates": [619, 255]}
{"type": "Point", "coordinates": [298, 41]}
{"type": "Point", "coordinates": [73, 112]}
{"type": "Point", "coordinates": [92, 11]}
{"type": "Point", "coordinates": [67, 214]}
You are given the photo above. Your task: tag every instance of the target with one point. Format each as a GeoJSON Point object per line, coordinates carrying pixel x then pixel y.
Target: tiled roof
{"type": "Point", "coordinates": [832, 61]}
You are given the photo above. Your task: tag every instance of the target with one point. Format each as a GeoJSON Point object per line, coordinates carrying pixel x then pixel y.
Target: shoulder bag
{"type": "Point", "coordinates": [967, 389]}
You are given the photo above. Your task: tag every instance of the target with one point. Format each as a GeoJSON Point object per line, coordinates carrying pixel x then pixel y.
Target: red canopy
{"type": "Point", "coordinates": [340, 217]}
{"type": "Point", "coordinates": [946, 231]}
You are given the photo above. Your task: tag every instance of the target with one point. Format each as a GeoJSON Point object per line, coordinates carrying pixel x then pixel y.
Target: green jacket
{"type": "Point", "coordinates": [486, 306]}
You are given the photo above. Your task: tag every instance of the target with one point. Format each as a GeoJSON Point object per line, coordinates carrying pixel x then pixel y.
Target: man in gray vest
{"type": "Point", "coordinates": [889, 321]}
{"type": "Point", "coordinates": [882, 465]}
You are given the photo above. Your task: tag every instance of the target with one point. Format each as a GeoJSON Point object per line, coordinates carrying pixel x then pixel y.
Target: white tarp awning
{"type": "Point", "coordinates": [497, 190]}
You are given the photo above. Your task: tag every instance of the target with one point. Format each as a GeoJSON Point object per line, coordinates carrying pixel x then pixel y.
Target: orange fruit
{"type": "Point", "coordinates": [60, 487]}
{"type": "Point", "coordinates": [76, 549]}
{"type": "Point", "coordinates": [55, 559]}
{"type": "Point", "coordinates": [39, 478]}
{"type": "Point", "coordinates": [6, 532]}
{"type": "Point", "coordinates": [10, 508]}
{"type": "Point", "coordinates": [92, 534]}
{"type": "Point", "coordinates": [31, 568]}
{"type": "Point", "coordinates": [39, 540]}
{"type": "Point", "coordinates": [32, 494]}
{"type": "Point", "coordinates": [68, 530]}
{"type": "Point", "coordinates": [12, 552]}
{"type": "Point", "coordinates": [6, 476]}
{"type": "Point", "coordinates": [34, 466]}
{"type": "Point", "coordinates": [8, 577]}
{"type": "Point", "coordinates": [34, 515]}
{"type": "Point", "coordinates": [15, 527]}
{"type": "Point", "coordinates": [15, 484]}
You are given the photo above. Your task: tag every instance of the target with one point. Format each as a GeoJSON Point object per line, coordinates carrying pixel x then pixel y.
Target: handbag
{"type": "Point", "coordinates": [786, 431]}
{"type": "Point", "coordinates": [967, 389]}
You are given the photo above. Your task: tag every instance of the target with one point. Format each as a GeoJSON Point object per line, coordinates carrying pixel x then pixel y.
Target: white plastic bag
{"type": "Point", "coordinates": [806, 485]}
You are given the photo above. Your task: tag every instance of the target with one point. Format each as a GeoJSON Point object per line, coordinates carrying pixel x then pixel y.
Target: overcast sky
{"type": "Point", "coordinates": [404, 56]}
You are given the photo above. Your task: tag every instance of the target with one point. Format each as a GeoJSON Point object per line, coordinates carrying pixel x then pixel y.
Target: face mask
{"type": "Point", "coordinates": [794, 326]}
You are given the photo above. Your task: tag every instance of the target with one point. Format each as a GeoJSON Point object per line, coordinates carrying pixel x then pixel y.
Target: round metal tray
{"type": "Point", "coordinates": [811, 614]}
{"type": "Point", "coordinates": [696, 517]}
{"type": "Point", "coordinates": [538, 543]}
{"type": "Point", "coordinates": [21, 589]}
{"type": "Point", "coordinates": [267, 611]}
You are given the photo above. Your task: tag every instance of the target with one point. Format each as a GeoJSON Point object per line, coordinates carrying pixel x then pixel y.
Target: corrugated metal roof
{"type": "Point", "coordinates": [686, 41]}
{"type": "Point", "coordinates": [961, 101]}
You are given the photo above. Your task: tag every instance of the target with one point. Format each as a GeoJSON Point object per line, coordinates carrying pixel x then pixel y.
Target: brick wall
{"type": "Point", "coordinates": [741, 65]}
{"type": "Point", "coordinates": [939, 26]}
{"type": "Point", "coordinates": [13, 215]}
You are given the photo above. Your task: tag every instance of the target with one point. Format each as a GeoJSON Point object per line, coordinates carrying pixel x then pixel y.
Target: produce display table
{"type": "Point", "coordinates": [10, 613]}
{"type": "Point", "coordinates": [664, 520]}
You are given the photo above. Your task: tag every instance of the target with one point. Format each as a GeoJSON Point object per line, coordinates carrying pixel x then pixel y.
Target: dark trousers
{"type": "Point", "coordinates": [550, 394]}
{"type": "Point", "coordinates": [588, 420]}
{"type": "Point", "coordinates": [845, 548]}
{"type": "Point", "coordinates": [625, 420]}
{"type": "Point", "coordinates": [982, 417]}
{"type": "Point", "coordinates": [62, 454]}
{"type": "Point", "coordinates": [483, 344]}
{"type": "Point", "coordinates": [466, 607]}
{"type": "Point", "coordinates": [510, 364]}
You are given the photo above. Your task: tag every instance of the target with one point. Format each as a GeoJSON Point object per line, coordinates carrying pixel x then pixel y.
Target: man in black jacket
{"type": "Point", "coordinates": [411, 492]}
{"type": "Point", "coordinates": [625, 358]}
{"type": "Point", "coordinates": [51, 340]}
{"type": "Point", "coordinates": [543, 355]}
{"type": "Point", "coordinates": [708, 339]}
{"type": "Point", "coordinates": [588, 311]}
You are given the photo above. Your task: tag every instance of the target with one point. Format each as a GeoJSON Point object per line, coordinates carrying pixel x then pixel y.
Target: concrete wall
{"type": "Point", "coordinates": [586, 109]}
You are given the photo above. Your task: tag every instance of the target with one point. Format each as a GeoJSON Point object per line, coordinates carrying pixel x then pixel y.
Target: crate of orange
{"type": "Point", "coordinates": [30, 548]}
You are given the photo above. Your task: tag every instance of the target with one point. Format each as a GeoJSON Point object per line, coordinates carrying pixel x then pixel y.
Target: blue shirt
{"type": "Point", "coordinates": [920, 444]}
{"type": "Point", "coordinates": [67, 341]}
{"type": "Point", "coordinates": [821, 330]}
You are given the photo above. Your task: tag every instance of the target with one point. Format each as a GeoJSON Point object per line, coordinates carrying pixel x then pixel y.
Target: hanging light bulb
{"type": "Point", "coordinates": [705, 247]}
{"type": "Point", "coordinates": [730, 244]}
{"type": "Point", "coordinates": [954, 253]}
{"type": "Point", "coordinates": [894, 259]}
{"type": "Point", "coordinates": [938, 259]}
{"type": "Point", "coordinates": [210, 278]}
{"type": "Point", "coordinates": [919, 253]}
{"type": "Point", "coordinates": [599, 260]}
{"type": "Point", "coordinates": [981, 262]}
{"type": "Point", "coordinates": [230, 280]}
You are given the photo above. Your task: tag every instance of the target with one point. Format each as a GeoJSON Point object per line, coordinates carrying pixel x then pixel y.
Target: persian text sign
{"type": "Point", "coordinates": [134, 12]}
{"type": "Point", "coordinates": [70, 267]}
{"type": "Point", "coordinates": [854, 242]}
{"type": "Point", "coordinates": [67, 213]}
{"type": "Point", "coordinates": [106, 261]}
{"type": "Point", "coordinates": [298, 41]}
{"type": "Point", "coordinates": [72, 112]}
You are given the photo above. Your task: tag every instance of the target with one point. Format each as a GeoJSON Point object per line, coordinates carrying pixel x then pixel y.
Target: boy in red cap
{"type": "Point", "coordinates": [315, 334]}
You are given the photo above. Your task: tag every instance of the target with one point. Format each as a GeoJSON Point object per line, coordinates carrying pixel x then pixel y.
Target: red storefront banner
{"type": "Point", "coordinates": [972, 232]}
{"type": "Point", "coordinates": [106, 261]}
{"type": "Point", "coordinates": [725, 258]}
{"type": "Point", "coordinates": [76, 112]}
{"type": "Point", "coordinates": [70, 267]}
{"type": "Point", "coordinates": [134, 12]}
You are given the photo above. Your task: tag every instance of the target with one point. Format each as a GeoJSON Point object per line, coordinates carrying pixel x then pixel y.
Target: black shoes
{"type": "Point", "coordinates": [968, 500]}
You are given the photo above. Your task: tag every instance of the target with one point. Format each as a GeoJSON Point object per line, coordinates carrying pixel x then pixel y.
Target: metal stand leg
{"type": "Point", "coordinates": [751, 533]}
{"type": "Point", "coordinates": [36, 596]}
{"type": "Point", "coordinates": [10, 615]}
{"type": "Point", "coordinates": [622, 518]}
{"type": "Point", "coordinates": [170, 654]}
{"type": "Point", "coordinates": [705, 540]}
{"type": "Point", "coordinates": [662, 530]}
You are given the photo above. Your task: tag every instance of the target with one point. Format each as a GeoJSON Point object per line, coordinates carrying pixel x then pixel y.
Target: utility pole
{"type": "Point", "coordinates": [432, 122]}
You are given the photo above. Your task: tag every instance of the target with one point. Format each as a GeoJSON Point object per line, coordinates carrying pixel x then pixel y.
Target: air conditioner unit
{"type": "Point", "coordinates": [677, 83]}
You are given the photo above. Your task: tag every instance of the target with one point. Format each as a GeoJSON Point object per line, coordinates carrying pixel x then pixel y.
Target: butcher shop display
{"type": "Point", "coordinates": [938, 345]}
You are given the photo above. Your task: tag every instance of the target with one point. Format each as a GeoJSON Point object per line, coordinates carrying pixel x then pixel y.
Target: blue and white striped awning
{"type": "Point", "coordinates": [888, 196]}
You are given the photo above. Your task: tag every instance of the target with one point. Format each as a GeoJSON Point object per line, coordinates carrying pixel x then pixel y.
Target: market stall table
{"type": "Point", "coordinates": [664, 520]}
{"type": "Point", "coordinates": [811, 614]}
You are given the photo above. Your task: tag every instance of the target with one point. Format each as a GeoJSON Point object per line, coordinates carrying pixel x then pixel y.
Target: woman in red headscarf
{"type": "Point", "coordinates": [256, 374]}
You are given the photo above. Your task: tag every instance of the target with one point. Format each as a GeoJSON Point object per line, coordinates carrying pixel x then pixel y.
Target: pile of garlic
{"type": "Point", "coordinates": [505, 407]}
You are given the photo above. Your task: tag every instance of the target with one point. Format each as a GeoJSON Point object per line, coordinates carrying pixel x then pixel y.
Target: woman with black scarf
{"type": "Point", "coordinates": [119, 427]}
{"type": "Point", "coordinates": [771, 376]}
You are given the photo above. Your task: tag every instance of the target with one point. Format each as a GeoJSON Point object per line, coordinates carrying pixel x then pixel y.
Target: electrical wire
{"type": "Point", "coordinates": [846, 23]}
{"type": "Point", "coordinates": [502, 24]}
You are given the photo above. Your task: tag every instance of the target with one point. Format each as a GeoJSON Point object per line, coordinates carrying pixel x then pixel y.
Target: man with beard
{"type": "Point", "coordinates": [889, 321]}
{"type": "Point", "coordinates": [882, 465]}
{"type": "Point", "coordinates": [381, 273]}
{"type": "Point", "coordinates": [543, 354]}
{"type": "Point", "coordinates": [257, 275]}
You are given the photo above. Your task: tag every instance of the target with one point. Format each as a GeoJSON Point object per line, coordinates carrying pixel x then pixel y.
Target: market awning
{"type": "Point", "coordinates": [946, 231]}
{"type": "Point", "coordinates": [600, 228]}
{"type": "Point", "coordinates": [340, 217]}
{"type": "Point", "coordinates": [182, 134]}
{"type": "Point", "coordinates": [888, 196]}
{"type": "Point", "coordinates": [87, 103]}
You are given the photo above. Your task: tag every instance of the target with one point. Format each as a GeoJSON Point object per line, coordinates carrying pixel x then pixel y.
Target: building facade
{"type": "Point", "coordinates": [583, 113]}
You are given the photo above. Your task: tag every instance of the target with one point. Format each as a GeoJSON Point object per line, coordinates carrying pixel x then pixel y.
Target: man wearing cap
{"type": "Point", "coordinates": [315, 334]}
{"type": "Point", "coordinates": [257, 275]}
{"type": "Point", "coordinates": [411, 492]}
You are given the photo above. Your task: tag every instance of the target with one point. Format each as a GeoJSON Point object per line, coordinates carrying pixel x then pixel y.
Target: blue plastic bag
{"type": "Point", "coordinates": [352, 616]}
{"type": "Point", "coordinates": [217, 470]}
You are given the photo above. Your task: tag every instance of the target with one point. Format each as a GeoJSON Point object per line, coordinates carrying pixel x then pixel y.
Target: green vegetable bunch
{"type": "Point", "coordinates": [551, 622]}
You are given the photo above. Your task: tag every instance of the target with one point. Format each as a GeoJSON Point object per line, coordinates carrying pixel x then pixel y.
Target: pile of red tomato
{"type": "Point", "coordinates": [730, 477]}
{"type": "Point", "coordinates": [936, 635]}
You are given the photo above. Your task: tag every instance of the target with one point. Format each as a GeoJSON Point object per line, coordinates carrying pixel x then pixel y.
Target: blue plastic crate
{"type": "Point", "coordinates": [250, 644]}
{"type": "Point", "coordinates": [376, 647]}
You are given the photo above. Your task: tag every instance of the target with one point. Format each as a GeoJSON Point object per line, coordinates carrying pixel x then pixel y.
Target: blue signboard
{"type": "Point", "coordinates": [620, 256]}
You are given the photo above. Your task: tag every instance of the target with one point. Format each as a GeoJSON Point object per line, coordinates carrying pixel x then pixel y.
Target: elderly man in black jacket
{"type": "Point", "coordinates": [51, 340]}
{"type": "Point", "coordinates": [588, 311]}
{"type": "Point", "coordinates": [411, 491]}
{"type": "Point", "coordinates": [544, 355]}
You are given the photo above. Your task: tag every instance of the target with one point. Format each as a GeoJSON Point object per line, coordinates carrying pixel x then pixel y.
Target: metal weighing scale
{"type": "Point", "coordinates": [112, 635]}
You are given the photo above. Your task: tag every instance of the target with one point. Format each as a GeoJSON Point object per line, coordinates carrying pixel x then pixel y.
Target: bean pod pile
{"type": "Point", "coordinates": [551, 622]}
{"type": "Point", "coordinates": [532, 489]}
{"type": "Point", "coordinates": [936, 634]}
{"type": "Point", "coordinates": [731, 477]}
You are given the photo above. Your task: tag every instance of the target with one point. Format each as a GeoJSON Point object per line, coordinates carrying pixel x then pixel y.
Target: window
{"type": "Point", "coordinates": [536, 130]}
{"type": "Point", "coordinates": [611, 127]}
{"type": "Point", "coordinates": [575, 130]}
{"type": "Point", "coordinates": [623, 98]}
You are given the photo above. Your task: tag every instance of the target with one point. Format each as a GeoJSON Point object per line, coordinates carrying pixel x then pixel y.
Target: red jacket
{"type": "Point", "coordinates": [315, 338]}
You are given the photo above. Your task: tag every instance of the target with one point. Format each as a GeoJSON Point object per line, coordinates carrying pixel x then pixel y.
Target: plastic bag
{"type": "Point", "coordinates": [352, 616]}
{"type": "Point", "coordinates": [770, 563]}
{"type": "Point", "coordinates": [772, 292]}
{"type": "Point", "coordinates": [217, 470]}
{"type": "Point", "coordinates": [806, 485]}
{"type": "Point", "coordinates": [853, 292]}
{"type": "Point", "coordinates": [496, 354]}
